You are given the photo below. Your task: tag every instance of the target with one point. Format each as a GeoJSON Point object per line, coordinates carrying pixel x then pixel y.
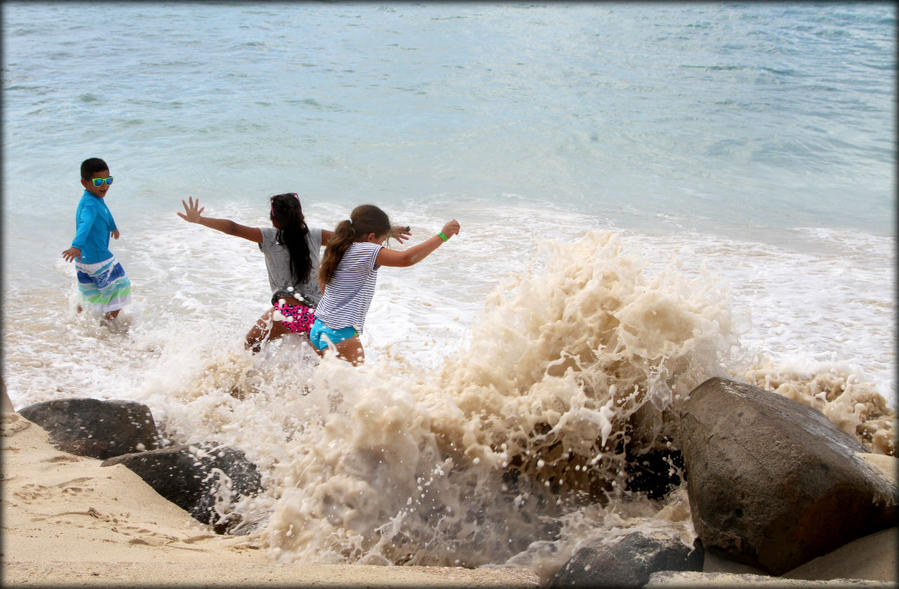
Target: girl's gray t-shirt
{"type": "Point", "coordinates": [277, 262]}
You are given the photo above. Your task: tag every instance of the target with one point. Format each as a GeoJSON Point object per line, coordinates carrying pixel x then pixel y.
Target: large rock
{"type": "Point", "coordinates": [626, 563]}
{"type": "Point", "coordinates": [202, 481]}
{"type": "Point", "coordinates": [99, 429]}
{"type": "Point", "coordinates": [655, 473]}
{"type": "Point", "coordinates": [773, 483]}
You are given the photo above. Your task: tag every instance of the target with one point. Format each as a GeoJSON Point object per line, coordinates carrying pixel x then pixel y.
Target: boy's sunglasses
{"type": "Point", "coordinates": [100, 181]}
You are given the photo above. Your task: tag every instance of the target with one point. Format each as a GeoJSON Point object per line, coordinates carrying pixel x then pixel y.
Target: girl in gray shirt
{"type": "Point", "coordinates": [292, 253]}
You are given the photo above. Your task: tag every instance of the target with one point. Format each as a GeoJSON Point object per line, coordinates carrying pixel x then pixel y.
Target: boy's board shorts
{"type": "Point", "coordinates": [322, 336]}
{"type": "Point", "coordinates": [104, 286]}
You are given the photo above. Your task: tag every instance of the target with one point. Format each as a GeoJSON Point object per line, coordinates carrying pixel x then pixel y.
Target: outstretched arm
{"type": "Point", "coordinates": [193, 213]}
{"type": "Point", "coordinates": [416, 253]}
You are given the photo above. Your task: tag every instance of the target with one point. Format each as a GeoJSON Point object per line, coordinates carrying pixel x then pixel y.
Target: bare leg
{"type": "Point", "coordinates": [321, 353]}
{"type": "Point", "coordinates": [265, 328]}
{"type": "Point", "coordinates": [351, 351]}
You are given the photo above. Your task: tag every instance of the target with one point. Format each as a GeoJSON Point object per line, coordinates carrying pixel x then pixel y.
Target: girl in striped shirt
{"type": "Point", "coordinates": [349, 271]}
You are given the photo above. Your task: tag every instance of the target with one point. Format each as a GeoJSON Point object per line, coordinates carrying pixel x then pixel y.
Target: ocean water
{"type": "Point", "coordinates": [649, 195]}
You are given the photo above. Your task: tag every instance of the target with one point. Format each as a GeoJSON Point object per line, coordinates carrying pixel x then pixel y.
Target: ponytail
{"type": "Point", "coordinates": [343, 237]}
{"type": "Point", "coordinates": [363, 220]}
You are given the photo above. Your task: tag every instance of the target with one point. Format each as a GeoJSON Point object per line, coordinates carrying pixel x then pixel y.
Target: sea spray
{"type": "Point", "coordinates": [584, 360]}
{"type": "Point", "coordinates": [513, 451]}
{"type": "Point", "coordinates": [373, 481]}
{"type": "Point", "coordinates": [851, 403]}
{"type": "Point", "coordinates": [527, 427]}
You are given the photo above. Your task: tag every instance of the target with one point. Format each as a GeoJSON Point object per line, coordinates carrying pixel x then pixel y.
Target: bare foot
{"type": "Point", "coordinates": [114, 325]}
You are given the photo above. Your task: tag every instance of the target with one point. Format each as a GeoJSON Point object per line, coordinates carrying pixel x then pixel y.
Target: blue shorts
{"type": "Point", "coordinates": [321, 336]}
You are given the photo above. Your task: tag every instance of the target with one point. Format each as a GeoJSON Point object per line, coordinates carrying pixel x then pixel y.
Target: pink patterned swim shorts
{"type": "Point", "coordinates": [296, 318]}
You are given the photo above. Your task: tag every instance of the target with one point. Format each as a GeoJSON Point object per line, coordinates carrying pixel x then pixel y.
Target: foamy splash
{"type": "Point", "coordinates": [585, 359]}
{"type": "Point", "coordinates": [513, 451]}
{"type": "Point", "coordinates": [519, 438]}
{"type": "Point", "coordinates": [853, 405]}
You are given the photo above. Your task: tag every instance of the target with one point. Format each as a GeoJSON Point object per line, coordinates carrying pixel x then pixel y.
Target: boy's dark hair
{"type": "Point", "coordinates": [91, 166]}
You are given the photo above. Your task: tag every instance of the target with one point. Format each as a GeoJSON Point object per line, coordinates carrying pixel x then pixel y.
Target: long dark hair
{"type": "Point", "coordinates": [363, 220]}
{"type": "Point", "coordinates": [292, 232]}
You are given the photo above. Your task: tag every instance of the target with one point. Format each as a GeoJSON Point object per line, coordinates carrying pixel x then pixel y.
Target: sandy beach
{"type": "Point", "coordinates": [67, 520]}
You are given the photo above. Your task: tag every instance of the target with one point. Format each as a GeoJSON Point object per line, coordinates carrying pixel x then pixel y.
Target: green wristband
{"type": "Point", "coordinates": [443, 236]}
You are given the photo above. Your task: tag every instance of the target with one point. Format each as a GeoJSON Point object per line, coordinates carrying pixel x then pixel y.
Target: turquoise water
{"type": "Point", "coordinates": [721, 116]}
{"type": "Point", "coordinates": [768, 123]}
{"type": "Point", "coordinates": [754, 144]}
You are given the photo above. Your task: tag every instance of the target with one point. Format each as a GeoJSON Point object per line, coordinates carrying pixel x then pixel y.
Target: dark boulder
{"type": "Point", "coordinates": [772, 482]}
{"type": "Point", "coordinates": [203, 481]}
{"type": "Point", "coordinates": [99, 429]}
{"type": "Point", "coordinates": [626, 563]}
{"type": "Point", "coordinates": [655, 472]}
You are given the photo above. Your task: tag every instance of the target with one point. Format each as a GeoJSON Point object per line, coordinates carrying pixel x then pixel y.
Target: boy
{"type": "Point", "coordinates": [101, 279]}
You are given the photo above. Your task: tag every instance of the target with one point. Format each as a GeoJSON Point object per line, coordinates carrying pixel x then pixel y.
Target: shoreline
{"type": "Point", "coordinates": [235, 574]}
{"type": "Point", "coordinates": [69, 521]}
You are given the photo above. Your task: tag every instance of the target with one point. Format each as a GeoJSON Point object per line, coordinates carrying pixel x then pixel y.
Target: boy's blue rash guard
{"type": "Point", "coordinates": [93, 224]}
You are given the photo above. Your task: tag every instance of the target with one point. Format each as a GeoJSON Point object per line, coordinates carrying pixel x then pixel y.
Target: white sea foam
{"type": "Point", "coordinates": [496, 407]}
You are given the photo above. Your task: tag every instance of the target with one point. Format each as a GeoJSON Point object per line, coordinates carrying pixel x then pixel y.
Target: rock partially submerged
{"type": "Point", "coordinates": [773, 483]}
{"type": "Point", "coordinates": [204, 481]}
{"type": "Point", "coordinates": [629, 562]}
{"type": "Point", "coordinates": [99, 429]}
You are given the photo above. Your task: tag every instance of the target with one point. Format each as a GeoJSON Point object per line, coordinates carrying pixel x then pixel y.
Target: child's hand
{"type": "Point", "coordinates": [73, 253]}
{"type": "Point", "coordinates": [115, 234]}
{"type": "Point", "coordinates": [451, 228]}
{"type": "Point", "coordinates": [400, 234]}
{"type": "Point", "coordinates": [192, 212]}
